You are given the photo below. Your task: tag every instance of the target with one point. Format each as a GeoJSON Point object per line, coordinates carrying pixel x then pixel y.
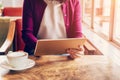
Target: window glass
{"type": "Point", "coordinates": [87, 10]}
{"type": "Point", "coordinates": [117, 21]}
{"type": "Point", "coordinates": [102, 16]}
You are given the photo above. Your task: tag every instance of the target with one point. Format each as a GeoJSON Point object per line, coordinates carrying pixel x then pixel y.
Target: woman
{"type": "Point", "coordinates": [51, 19]}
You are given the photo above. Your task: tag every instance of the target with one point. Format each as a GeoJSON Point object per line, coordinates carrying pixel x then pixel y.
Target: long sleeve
{"type": "Point", "coordinates": [77, 24]}
{"type": "Point", "coordinates": [27, 23]}
{"type": "Point", "coordinates": [72, 16]}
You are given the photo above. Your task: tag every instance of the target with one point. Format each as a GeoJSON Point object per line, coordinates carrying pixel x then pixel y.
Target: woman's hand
{"type": "Point", "coordinates": [75, 52]}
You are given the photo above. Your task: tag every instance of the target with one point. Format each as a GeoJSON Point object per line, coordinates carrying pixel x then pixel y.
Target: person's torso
{"type": "Point", "coordinates": [52, 25]}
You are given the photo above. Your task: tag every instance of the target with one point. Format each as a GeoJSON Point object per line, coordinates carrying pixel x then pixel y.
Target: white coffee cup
{"type": "Point", "coordinates": [17, 59]}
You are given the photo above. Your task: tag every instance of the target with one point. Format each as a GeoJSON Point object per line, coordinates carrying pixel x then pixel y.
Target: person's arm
{"type": "Point", "coordinates": [76, 31]}
{"type": "Point", "coordinates": [27, 23]}
{"type": "Point", "coordinates": [76, 23]}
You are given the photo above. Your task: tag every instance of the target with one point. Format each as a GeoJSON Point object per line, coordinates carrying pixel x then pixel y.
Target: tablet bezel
{"type": "Point", "coordinates": [56, 46]}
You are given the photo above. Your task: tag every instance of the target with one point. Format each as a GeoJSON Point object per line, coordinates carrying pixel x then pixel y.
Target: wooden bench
{"type": "Point", "coordinates": [89, 48]}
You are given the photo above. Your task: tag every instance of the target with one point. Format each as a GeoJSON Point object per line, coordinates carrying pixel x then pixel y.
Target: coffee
{"type": "Point", "coordinates": [17, 59]}
{"type": "Point", "coordinates": [16, 54]}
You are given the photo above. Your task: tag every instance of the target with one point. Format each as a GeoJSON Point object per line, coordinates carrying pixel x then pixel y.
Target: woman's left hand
{"type": "Point", "coordinates": [75, 52]}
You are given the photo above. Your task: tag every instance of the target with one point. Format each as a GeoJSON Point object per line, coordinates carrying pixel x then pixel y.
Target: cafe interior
{"type": "Point", "coordinates": [101, 58]}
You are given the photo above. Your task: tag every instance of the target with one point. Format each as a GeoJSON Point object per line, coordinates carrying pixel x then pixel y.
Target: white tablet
{"type": "Point", "coordinates": [56, 46]}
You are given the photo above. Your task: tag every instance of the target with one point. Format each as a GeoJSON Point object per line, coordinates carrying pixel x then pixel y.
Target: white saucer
{"type": "Point", "coordinates": [30, 63]}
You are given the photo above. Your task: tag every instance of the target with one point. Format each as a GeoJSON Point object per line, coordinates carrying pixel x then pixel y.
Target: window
{"type": "Point", "coordinates": [87, 4]}
{"type": "Point", "coordinates": [116, 36]}
{"type": "Point", "coordinates": [102, 16]}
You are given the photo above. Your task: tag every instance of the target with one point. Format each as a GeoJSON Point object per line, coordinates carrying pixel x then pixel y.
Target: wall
{"type": "Point", "coordinates": [12, 3]}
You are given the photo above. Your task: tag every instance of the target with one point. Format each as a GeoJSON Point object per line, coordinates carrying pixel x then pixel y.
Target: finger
{"type": "Point", "coordinates": [81, 48]}
{"type": "Point", "coordinates": [71, 56]}
{"type": "Point", "coordinates": [80, 52]}
{"type": "Point", "coordinates": [71, 52]}
{"type": "Point", "coordinates": [74, 53]}
{"type": "Point", "coordinates": [77, 53]}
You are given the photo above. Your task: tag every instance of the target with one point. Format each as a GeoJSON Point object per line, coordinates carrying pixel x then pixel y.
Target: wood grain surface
{"type": "Point", "coordinates": [95, 67]}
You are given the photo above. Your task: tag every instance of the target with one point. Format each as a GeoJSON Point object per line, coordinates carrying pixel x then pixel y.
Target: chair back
{"type": "Point", "coordinates": [4, 27]}
{"type": "Point", "coordinates": [19, 43]}
{"type": "Point", "coordinates": [12, 11]}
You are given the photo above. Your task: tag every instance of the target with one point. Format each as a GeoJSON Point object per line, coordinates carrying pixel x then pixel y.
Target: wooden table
{"type": "Point", "coordinates": [87, 67]}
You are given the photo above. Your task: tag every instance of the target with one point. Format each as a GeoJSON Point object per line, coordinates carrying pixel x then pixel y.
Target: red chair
{"type": "Point", "coordinates": [12, 11]}
{"type": "Point", "coordinates": [19, 42]}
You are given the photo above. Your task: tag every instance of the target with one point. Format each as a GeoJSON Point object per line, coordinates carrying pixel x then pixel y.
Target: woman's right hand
{"type": "Point", "coordinates": [75, 52]}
